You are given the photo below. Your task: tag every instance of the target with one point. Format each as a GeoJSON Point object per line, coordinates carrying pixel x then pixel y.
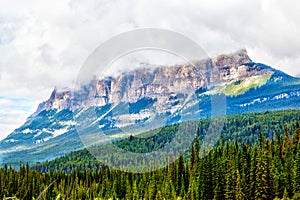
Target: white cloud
{"type": "Point", "coordinates": [44, 43]}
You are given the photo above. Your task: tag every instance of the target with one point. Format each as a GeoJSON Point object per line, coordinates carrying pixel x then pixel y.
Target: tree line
{"type": "Point", "coordinates": [233, 169]}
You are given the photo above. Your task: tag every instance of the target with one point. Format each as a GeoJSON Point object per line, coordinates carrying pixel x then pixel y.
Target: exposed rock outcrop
{"type": "Point", "coordinates": [159, 83]}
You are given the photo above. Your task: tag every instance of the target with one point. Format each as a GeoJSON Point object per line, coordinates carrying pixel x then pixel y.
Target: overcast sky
{"type": "Point", "coordinates": [44, 43]}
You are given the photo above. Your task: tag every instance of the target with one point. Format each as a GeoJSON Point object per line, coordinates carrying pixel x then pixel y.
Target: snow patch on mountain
{"type": "Point", "coordinates": [276, 97]}
{"type": "Point", "coordinates": [26, 131]}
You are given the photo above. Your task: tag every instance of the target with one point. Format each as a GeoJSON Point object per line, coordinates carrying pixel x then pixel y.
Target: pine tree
{"type": "Point", "coordinates": [135, 194]}
{"type": "Point", "coordinates": [229, 189]}
{"type": "Point", "coordinates": [296, 135]}
{"type": "Point", "coordinates": [152, 188]}
{"type": "Point", "coordinates": [218, 194]}
{"type": "Point", "coordinates": [192, 193]}
{"type": "Point", "coordinates": [170, 192]}
{"type": "Point", "coordinates": [218, 171]}
{"type": "Point", "coordinates": [296, 180]}
{"type": "Point", "coordinates": [245, 171]}
{"type": "Point", "coordinates": [285, 195]}
{"type": "Point", "coordinates": [192, 158]}
{"type": "Point", "coordinates": [239, 195]}
{"type": "Point", "coordinates": [129, 192]}
{"type": "Point", "coordinates": [261, 190]}
{"type": "Point", "coordinates": [287, 136]}
{"type": "Point", "coordinates": [278, 177]}
{"type": "Point", "coordinates": [269, 172]}
{"type": "Point", "coordinates": [197, 151]}
{"type": "Point", "coordinates": [288, 171]}
{"type": "Point", "coordinates": [205, 179]}
{"type": "Point", "coordinates": [180, 173]}
{"type": "Point", "coordinates": [253, 172]}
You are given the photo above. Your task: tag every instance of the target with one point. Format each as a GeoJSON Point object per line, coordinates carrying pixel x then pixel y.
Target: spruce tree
{"type": "Point", "coordinates": [285, 195]}
{"type": "Point", "coordinates": [288, 171]}
{"type": "Point", "coordinates": [180, 173]}
{"type": "Point", "coordinates": [261, 190]}
{"type": "Point", "coordinates": [239, 195]}
{"type": "Point", "coordinates": [253, 172]}
{"type": "Point", "coordinates": [229, 189]}
{"type": "Point", "coordinates": [296, 179]}
{"type": "Point", "coordinates": [218, 194]}
{"type": "Point", "coordinates": [296, 135]}
{"type": "Point", "coordinates": [135, 194]}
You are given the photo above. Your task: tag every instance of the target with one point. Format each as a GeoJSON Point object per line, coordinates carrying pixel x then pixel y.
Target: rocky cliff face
{"type": "Point", "coordinates": [57, 100]}
{"type": "Point", "coordinates": [149, 98]}
{"type": "Point", "coordinates": [160, 83]}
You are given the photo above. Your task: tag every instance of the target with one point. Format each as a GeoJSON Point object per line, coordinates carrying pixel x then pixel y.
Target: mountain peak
{"type": "Point", "coordinates": [59, 99]}
{"type": "Point", "coordinates": [237, 58]}
{"type": "Point", "coordinates": [158, 83]}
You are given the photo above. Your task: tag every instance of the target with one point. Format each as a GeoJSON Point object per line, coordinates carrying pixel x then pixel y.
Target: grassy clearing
{"type": "Point", "coordinates": [241, 86]}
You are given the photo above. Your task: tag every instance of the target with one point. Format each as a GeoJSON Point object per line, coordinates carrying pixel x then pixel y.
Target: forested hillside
{"type": "Point", "coordinates": [242, 128]}
{"type": "Point", "coordinates": [262, 168]}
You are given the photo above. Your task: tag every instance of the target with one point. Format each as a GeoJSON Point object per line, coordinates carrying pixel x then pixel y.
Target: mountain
{"type": "Point", "coordinates": [148, 98]}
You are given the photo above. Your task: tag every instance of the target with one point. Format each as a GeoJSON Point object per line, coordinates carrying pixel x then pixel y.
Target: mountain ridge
{"type": "Point", "coordinates": [142, 81]}
{"type": "Point", "coordinates": [151, 99]}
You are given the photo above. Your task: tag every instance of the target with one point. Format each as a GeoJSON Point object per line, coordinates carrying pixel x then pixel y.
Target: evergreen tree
{"type": "Point", "coordinates": [135, 194]}
{"type": "Point", "coordinates": [285, 195]}
{"type": "Point", "coordinates": [288, 171]}
{"type": "Point", "coordinates": [180, 173]}
{"type": "Point", "coordinates": [296, 135]}
{"type": "Point", "coordinates": [229, 189]}
{"type": "Point", "coordinates": [253, 172]}
{"type": "Point", "coordinates": [218, 194]}
{"type": "Point", "coordinates": [239, 195]}
{"type": "Point", "coordinates": [296, 180]}
{"type": "Point", "coordinates": [261, 190]}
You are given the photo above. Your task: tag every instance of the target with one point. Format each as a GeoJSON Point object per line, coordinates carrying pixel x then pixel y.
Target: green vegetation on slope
{"type": "Point", "coordinates": [242, 86]}
{"type": "Point", "coordinates": [242, 128]}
